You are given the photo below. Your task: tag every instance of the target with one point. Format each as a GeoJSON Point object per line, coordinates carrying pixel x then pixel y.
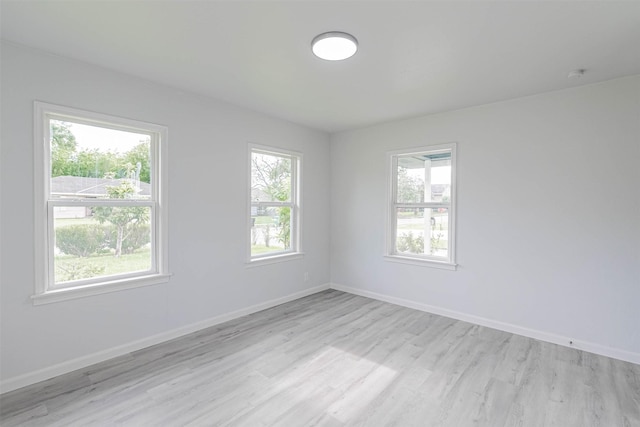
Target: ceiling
{"type": "Point", "coordinates": [415, 58]}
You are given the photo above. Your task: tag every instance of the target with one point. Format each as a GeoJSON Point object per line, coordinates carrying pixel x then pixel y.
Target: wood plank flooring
{"type": "Point", "coordinates": [335, 359]}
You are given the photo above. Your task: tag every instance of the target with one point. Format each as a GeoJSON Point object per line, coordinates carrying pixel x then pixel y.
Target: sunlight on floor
{"type": "Point", "coordinates": [338, 378]}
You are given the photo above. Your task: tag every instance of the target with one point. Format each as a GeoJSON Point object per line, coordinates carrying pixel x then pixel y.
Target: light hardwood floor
{"type": "Point", "coordinates": [335, 359]}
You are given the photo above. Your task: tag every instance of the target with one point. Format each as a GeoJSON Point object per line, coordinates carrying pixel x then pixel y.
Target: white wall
{"type": "Point", "coordinates": [207, 195]}
{"type": "Point", "coordinates": [548, 216]}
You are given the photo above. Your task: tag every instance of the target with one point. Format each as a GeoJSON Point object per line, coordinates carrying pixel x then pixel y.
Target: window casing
{"type": "Point", "coordinates": [100, 198]}
{"type": "Point", "coordinates": [274, 204]}
{"type": "Point", "coordinates": [421, 209]}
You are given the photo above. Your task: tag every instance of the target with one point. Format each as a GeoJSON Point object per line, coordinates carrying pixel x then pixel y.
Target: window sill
{"type": "Point", "coordinates": [444, 265]}
{"type": "Point", "coordinates": [274, 259]}
{"type": "Point", "coordinates": [59, 295]}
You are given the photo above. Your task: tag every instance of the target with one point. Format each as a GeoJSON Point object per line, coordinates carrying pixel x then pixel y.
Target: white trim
{"type": "Point", "coordinates": [444, 265]}
{"type": "Point", "coordinates": [40, 188]}
{"type": "Point", "coordinates": [29, 378]}
{"type": "Point", "coordinates": [100, 356]}
{"type": "Point", "coordinates": [295, 204]}
{"type": "Point", "coordinates": [435, 149]}
{"type": "Point", "coordinates": [138, 203]}
{"type": "Point", "coordinates": [160, 157]}
{"type": "Point", "coordinates": [93, 118]}
{"type": "Point", "coordinates": [45, 287]}
{"type": "Point", "coordinates": [390, 236]}
{"type": "Point", "coordinates": [64, 294]}
{"type": "Point", "coordinates": [274, 259]}
{"type": "Point", "coordinates": [590, 347]}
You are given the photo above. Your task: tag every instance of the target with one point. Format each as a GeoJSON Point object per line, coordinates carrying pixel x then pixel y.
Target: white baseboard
{"type": "Point", "coordinates": [590, 347]}
{"type": "Point", "coordinates": [90, 359]}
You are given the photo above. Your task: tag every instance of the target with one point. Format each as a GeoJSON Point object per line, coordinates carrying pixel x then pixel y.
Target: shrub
{"type": "Point", "coordinates": [135, 237]}
{"type": "Point", "coordinates": [80, 240]}
{"type": "Point", "coordinates": [408, 243]}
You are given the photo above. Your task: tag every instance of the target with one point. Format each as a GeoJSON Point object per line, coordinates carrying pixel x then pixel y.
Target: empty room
{"type": "Point", "coordinates": [320, 213]}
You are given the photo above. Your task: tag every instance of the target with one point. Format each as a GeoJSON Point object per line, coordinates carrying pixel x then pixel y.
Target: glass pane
{"type": "Point", "coordinates": [422, 231]}
{"type": "Point", "coordinates": [424, 177]}
{"type": "Point", "coordinates": [95, 162]}
{"type": "Point", "coordinates": [100, 241]}
{"type": "Point", "coordinates": [270, 230]}
{"type": "Point", "coordinates": [270, 178]}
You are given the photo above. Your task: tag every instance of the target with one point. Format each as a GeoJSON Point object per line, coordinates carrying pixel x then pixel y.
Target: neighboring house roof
{"type": "Point", "coordinates": [90, 187]}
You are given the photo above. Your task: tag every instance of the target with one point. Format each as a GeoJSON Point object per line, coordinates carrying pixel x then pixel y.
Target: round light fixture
{"type": "Point", "coordinates": [334, 46]}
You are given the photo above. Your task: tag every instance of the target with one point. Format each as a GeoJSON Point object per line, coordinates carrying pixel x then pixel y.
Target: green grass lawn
{"type": "Point", "coordinates": [74, 268]}
{"type": "Point", "coordinates": [70, 267]}
{"type": "Point", "coordinates": [262, 249]}
{"type": "Point", "coordinates": [265, 220]}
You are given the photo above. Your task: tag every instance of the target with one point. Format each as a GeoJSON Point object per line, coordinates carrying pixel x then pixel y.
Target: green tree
{"type": "Point", "coordinates": [97, 164]}
{"type": "Point", "coordinates": [66, 160]}
{"type": "Point", "coordinates": [63, 149]}
{"type": "Point", "coordinates": [410, 188]}
{"type": "Point", "coordinates": [272, 176]}
{"type": "Point", "coordinates": [139, 155]}
{"type": "Point", "coordinates": [126, 220]}
{"type": "Point", "coordinates": [284, 218]}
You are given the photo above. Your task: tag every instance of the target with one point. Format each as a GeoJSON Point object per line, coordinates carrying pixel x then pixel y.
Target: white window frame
{"type": "Point", "coordinates": [391, 254]}
{"type": "Point", "coordinates": [295, 251]}
{"type": "Point", "coordinates": [46, 291]}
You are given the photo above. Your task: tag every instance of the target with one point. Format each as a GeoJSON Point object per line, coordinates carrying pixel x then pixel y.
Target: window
{"type": "Point", "coordinates": [100, 203]}
{"type": "Point", "coordinates": [422, 206]}
{"type": "Point", "coordinates": [274, 217]}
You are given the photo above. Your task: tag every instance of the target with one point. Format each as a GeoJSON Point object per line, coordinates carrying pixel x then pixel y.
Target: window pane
{"type": "Point", "coordinates": [270, 230]}
{"type": "Point", "coordinates": [101, 241]}
{"type": "Point", "coordinates": [422, 231]}
{"type": "Point", "coordinates": [423, 178]}
{"type": "Point", "coordinates": [270, 178]}
{"type": "Point", "coordinates": [95, 162]}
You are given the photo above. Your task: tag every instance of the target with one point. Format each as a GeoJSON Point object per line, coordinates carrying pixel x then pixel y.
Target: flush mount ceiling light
{"type": "Point", "coordinates": [334, 46]}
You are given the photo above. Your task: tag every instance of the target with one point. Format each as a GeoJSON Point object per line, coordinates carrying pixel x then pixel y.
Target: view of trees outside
{"type": "Point", "coordinates": [414, 224]}
{"type": "Point", "coordinates": [270, 185]}
{"type": "Point", "coordinates": [95, 163]}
